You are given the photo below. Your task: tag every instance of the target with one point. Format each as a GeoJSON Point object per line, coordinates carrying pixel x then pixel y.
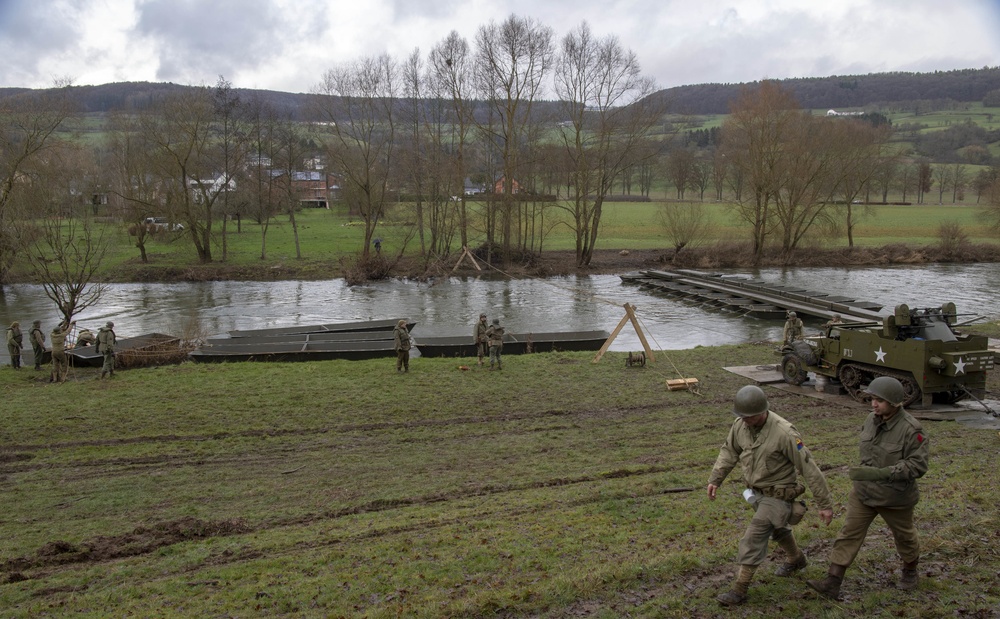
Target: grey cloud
{"type": "Point", "coordinates": [208, 39]}
{"type": "Point", "coordinates": [28, 27]}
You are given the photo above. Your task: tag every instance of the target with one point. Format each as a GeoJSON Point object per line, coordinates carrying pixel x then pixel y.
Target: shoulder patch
{"type": "Point", "coordinates": [920, 437]}
{"type": "Point", "coordinates": [799, 445]}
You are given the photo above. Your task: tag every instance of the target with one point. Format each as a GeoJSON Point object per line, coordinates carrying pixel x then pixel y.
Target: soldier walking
{"type": "Point", "coordinates": [481, 339]}
{"type": "Point", "coordinates": [495, 337]}
{"type": "Point", "coordinates": [773, 457]}
{"type": "Point", "coordinates": [14, 346]}
{"type": "Point", "coordinates": [37, 339]}
{"type": "Point", "coordinates": [894, 454]}
{"type": "Point", "coordinates": [106, 341]}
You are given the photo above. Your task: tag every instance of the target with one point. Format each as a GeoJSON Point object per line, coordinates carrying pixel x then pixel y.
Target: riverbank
{"type": "Point", "coordinates": [312, 489]}
{"type": "Point", "coordinates": [553, 263]}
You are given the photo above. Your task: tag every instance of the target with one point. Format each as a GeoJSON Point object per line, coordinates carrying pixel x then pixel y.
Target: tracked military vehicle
{"type": "Point", "coordinates": [920, 347]}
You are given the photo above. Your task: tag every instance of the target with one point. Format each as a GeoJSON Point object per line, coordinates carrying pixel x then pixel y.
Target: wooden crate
{"type": "Point", "coordinates": [676, 384]}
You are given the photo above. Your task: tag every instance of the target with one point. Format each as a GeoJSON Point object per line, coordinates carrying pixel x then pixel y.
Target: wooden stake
{"type": "Point", "coordinates": [466, 254]}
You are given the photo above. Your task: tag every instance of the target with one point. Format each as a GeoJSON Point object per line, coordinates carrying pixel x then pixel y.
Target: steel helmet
{"type": "Point", "coordinates": [792, 314]}
{"type": "Point", "coordinates": [750, 402]}
{"type": "Point", "coordinates": [887, 388]}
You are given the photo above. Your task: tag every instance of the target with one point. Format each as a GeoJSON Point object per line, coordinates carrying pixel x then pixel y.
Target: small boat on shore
{"type": "Point", "coordinates": [294, 351]}
{"type": "Point", "coordinates": [331, 336]}
{"type": "Point", "coordinates": [333, 327]}
{"type": "Point", "coordinates": [513, 343]}
{"type": "Point", "coordinates": [131, 348]}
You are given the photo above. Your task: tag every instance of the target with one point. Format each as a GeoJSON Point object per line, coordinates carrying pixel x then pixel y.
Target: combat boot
{"type": "Point", "coordinates": [830, 586]}
{"type": "Point", "coordinates": [738, 594]}
{"type": "Point", "coordinates": [909, 580]}
{"type": "Point", "coordinates": [795, 559]}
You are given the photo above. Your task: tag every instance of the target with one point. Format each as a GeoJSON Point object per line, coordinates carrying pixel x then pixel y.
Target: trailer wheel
{"type": "Point", "coordinates": [791, 370]}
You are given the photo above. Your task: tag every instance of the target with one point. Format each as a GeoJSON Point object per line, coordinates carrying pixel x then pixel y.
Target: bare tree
{"type": "Point", "coordinates": [28, 125]}
{"type": "Point", "coordinates": [754, 138]}
{"type": "Point", "coordinates": [134, 192]}
{"type": "Point", "coordinates": [259, 187]}
{"type": "Point", "coordinates": [67, 247]}
{"type": "Point", "coordinates": [450, 78]}
{"type": "Point", "coordinates": [606, 98]}
{"type": "Point", "coordinates": [512, 60]}
{"type": "Point", "coordinates": [862, 158]}
{"type": "Point", "coordinates": [357, 100]}
{"type": "Point", "coordinates": [685, 224]}
{"type": "Point", "coordinates": [182, 154]}
{"type": "Point", "coordinates": [230, 141]}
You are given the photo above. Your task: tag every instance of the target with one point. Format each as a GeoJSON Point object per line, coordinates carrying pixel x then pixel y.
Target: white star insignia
{"type": "Point", "coordinates": [880, 355]}
{"type": "Point", "coordinates": [959, 367]}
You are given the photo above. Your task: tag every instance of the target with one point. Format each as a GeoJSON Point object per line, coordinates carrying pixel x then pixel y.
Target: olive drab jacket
{"type": "Point", "coordinates": [14, 337]}
{"type": "Point", "coordinates": [106, 340]}
{"type": "Point", "coordinates": [401, 339]}
{"type": "Point", "coordinates": [58, 339]}
{"type": "Point", "coordinates": [37, 338]}
{"type": "Point", "coordinates": [479, 333]}
{"type": "Point", "coordinates": [900, 445]}
{"type": "Point", "coordinates": [793, 330]}
{"type": "Point", "coordinates": [495, 335]}
{"type": "Point", "coordinates": [772, 456]}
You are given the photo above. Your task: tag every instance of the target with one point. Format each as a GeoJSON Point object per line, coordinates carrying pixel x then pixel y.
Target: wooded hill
{"type": "Point", "coordinates": [882, 90]}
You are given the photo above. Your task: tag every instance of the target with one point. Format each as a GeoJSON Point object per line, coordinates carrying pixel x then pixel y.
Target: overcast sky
{"type": "Point", "coordinates": [288, 44]}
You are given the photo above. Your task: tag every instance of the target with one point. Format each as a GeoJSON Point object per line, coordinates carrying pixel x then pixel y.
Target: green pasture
{"type": "Point", "coordinates": [554, 488]}
{"type": "Point", "coordinates": [327, 236]}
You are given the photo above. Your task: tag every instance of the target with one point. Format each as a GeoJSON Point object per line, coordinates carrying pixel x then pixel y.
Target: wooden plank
{"type": "Point", "coordinates": [676, 384]}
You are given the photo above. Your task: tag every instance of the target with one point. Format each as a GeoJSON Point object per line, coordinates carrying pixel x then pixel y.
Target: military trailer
{"type": "Point", "coordinates": [920, 347]}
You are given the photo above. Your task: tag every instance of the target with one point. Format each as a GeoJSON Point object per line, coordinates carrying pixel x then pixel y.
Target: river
{"type": "Point", "coordinates": [450, 306]}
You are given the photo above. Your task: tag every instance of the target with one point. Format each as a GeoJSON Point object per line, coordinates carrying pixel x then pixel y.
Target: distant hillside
{"type": "Point", "coordinates": [851, 91]}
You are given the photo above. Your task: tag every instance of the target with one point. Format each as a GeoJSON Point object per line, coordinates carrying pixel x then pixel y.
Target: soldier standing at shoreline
{"type": "Point", "coordinates": [481, 339]}
{"type": "Point", "coordinates": [37, 339]}
{"type": "Point", "coordinates": [106, 346]}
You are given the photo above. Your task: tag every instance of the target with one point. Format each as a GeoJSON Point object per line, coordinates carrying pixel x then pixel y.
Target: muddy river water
{"type": "Point", "coordinates": [451, 306]}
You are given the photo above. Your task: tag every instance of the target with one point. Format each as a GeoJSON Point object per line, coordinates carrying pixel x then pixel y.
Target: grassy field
{"type": "Point", "coordinates": [555, 488]}
{"type": "Point", "coordinates": [327, 236]}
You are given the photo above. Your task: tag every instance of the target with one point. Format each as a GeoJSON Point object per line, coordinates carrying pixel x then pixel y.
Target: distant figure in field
{"type": "Point", "coordinates": [480, 338]}
{"type": "Point", "coordinates": [14, 339]}
{"type": "Point", "coordinates": [60, 363]}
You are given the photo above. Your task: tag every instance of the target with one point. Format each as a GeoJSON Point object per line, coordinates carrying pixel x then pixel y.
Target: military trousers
{"type": "Point", "coordinates": [60, 365]}
{"type": "Point", "coordinates": [495, 355]}
{"type": "Point", "coordinates": [109, 363]}
{"type": "Point", "coordinates": [769, 522]}
{"type": "Point", "coordinates": [859, 519]}
{"type": "Point", "coordinates": [402, 360]}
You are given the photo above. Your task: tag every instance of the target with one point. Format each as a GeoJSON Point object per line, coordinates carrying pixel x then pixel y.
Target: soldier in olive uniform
{"type": "Point", "coordinates": [401, 343]}
{"type": "Point", "coordinates": [14, 346]}
{"type": "Point", "coordinates": [86, 338]}
{"type": "Point", "coordinates": [60, 363]}
{"type": "Point", "coordinates": [495, 337]}
{"type": "Point", "coordinates": [894, 454]}
{"type": "Point", "coordinates": [37, 339]}
{"type": "Point", "coordinates": [772, 457]}
{"type": "Point", "coordinates": [106, 346]}
{"type": "Point", "coordinates": [480, 338]}
{"type": "Point", "coordinates": [793, 329]}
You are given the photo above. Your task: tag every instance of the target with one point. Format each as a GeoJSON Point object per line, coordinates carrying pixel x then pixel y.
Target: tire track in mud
{"type": "Point", "coordinates": [20, 458]}
{"type": "Point", "coordinates": [57, 556]}
{"type": "Point", "coordinates": [345, 428]}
